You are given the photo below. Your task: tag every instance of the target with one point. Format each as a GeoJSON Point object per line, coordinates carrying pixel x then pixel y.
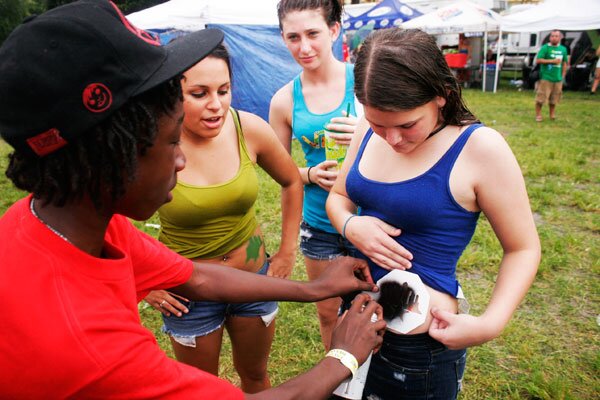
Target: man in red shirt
{"type": "Point", "coordinates": [92, 106]}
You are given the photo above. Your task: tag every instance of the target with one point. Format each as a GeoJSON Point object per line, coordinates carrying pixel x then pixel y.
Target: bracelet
{"type": "Point", "coordinates": [346, 358]}
{"type": "Point", "coordinates": [346, 224]}
{"type": "Point", "coordinates": [308, 175]}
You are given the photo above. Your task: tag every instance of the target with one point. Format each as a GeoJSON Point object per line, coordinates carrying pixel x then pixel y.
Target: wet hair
{"type": "Point", "coordinates": [398, 69]}
{"type": "Point", "coordinates": [101, 162]}
{"type": "Point", "coordinates": [331, 9]}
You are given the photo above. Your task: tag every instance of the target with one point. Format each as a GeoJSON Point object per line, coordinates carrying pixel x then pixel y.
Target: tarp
{"type": "Point", "coordinates": [460, 17]}
{"type": "Point", "coordinates": [571, 15]}
{"type": "Point", "coordinates": [261, 63]}
{"type": "Point", "coordinates": [385, 14]}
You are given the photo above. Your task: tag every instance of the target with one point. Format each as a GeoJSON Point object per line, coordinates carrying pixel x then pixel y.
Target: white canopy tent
{"type": "Point", "coordinates": [572, 15]}
{"type": "Point", "coordinates": [193, 15]}
{"type": "Point", "coordinates": [460, 17]}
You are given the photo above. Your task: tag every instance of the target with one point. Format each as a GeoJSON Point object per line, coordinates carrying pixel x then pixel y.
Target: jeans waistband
{"type": "Point", "coordinates": [419, 339]}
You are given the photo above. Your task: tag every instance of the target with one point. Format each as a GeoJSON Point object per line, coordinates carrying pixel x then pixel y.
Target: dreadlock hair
{"type": "Point", "coordinates": [102, 161]}
{"type": "Point", "coordinates": [398, 69]}
{"type": "Point", "coordinates": [331, 9]}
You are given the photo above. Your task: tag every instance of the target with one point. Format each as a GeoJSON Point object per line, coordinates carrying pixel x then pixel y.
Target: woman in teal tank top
{"type": "Point", "coordinates": [211, 219]}
{"type": "Point", "coordinates": [323, 94]}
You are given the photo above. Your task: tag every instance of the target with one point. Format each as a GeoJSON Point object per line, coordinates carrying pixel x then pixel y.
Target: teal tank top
{"type": "Point", "coordinates": [210, 221]}
{"type": "Point", "coordinates": [306, 127]}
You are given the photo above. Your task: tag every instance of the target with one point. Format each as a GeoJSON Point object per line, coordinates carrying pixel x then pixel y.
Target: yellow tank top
{"type": "Point", "coordinates": [210, 221]}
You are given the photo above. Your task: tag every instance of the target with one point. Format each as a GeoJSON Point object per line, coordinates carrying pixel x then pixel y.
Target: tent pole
{"type": "Point", "coordinates": [484, 65]}
{"type": "Point", "coordinates": [497, 59]}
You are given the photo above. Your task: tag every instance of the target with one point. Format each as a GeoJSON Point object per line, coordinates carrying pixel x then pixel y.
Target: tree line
{"type": "Point", "coordinates": [13, 12]}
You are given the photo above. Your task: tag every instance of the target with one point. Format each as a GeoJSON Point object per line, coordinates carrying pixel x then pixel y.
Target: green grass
{"type": "Point", "coordinates": [551, 347]}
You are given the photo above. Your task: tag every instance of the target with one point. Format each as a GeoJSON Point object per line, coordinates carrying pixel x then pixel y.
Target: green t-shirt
{"type": "Point", "coordinates": [552, 72]}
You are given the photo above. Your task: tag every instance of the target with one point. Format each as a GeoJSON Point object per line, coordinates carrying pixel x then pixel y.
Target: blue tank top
{"type": "Point", "coordinates": [307, 127]}
{"type": "Point", "coordinates": [435, 228]}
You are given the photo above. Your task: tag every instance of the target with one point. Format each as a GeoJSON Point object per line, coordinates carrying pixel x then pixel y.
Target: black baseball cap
{"type": "Point", "coordinates": [66, 70]}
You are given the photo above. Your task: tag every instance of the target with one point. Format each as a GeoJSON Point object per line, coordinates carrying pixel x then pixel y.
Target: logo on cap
{"type": "Point", "coordinates": [97, 97]}
{"type": "Point", "coordinates": [46, 142]}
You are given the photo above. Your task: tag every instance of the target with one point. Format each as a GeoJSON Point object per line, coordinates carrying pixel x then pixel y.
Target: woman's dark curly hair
{"type": "Point", "coordinates": [103, 160]}
{"type": "Point", "coordinates": [331, 9]}
{"type": "Point", "coordinates": [401, 69]}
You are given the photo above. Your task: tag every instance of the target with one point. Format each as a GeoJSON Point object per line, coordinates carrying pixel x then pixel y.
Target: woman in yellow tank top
{"type": "Point", "coordinates": [211, 218]}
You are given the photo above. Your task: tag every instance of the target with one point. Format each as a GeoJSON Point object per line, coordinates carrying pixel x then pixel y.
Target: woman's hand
{"type": "Point", "coordinates": [342, 129]}
{"type": "Point", "coordinates": [281, 265]}
{"type": "Point", "coordinates": [320, 174]}
{"type": "Point", "coordinates": [167, 303]}
{"type": "Point", "coordinates": [373, 238]}
{"type": "Point", "coordinates": [459, 331]}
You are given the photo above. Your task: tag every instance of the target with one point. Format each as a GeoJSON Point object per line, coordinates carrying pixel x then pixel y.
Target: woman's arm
{"type": "Point", "coordinates": [501, 195]}
{"type": "Point", "coordinates": [280, 119]}
{"type": "Point", "coordinates": [274, 159]}
{"type": "Point", "coordinates": [370, 235]}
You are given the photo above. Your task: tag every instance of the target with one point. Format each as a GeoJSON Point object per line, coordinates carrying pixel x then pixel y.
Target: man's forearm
{"type": "Point", "coordinates": [214, 282]}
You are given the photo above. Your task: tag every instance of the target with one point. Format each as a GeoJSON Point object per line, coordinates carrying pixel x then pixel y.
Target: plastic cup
{"type": "Point", "coordinates": [334, 151]}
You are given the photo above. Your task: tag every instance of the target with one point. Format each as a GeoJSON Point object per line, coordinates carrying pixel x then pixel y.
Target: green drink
{"type": "Point", "coordinates": [334, 151]}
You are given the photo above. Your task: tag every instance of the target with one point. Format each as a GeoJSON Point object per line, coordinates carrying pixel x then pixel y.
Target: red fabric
{"type": "Point", "coordinates": [70, 324]}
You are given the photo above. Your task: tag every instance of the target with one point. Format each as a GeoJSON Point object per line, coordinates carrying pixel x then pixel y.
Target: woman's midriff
{"type": "Point", "coordinates": [250, 256]}
{"type": "Point", "coordinates": [440, 300]}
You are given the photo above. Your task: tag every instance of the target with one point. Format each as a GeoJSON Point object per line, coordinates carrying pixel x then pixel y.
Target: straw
{"type": "Point", "coordinates": [348, 109]}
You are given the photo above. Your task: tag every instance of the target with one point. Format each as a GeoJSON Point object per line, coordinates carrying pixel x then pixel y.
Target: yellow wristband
{"type": "Point", "coordinates": [346, 358]}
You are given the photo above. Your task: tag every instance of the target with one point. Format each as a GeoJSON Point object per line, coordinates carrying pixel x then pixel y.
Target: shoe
{"type": "Point", "coordinates": [538, 118]}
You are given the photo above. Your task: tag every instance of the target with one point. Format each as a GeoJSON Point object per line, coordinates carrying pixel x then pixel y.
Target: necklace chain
{"type": "Point", "coordinates": [437, 130]}
{"type": "Point", "coordinates": [57, 233]}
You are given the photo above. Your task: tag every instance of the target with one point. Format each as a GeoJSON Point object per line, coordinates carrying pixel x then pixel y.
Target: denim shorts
{"type": "Point", "coordinates": [321, 245]}
{"type": "Point", "coordinates": [415, 367]}
{"type": "Point", "coordinates": [205, 317]}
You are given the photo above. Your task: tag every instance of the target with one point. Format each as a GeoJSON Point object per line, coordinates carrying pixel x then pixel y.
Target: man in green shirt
{"type": "Point", "coordinates": [552, 58]}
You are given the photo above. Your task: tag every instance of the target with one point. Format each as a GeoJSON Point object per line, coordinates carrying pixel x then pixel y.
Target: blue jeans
{"type": "Point", "coordinates": [415, 367]}
{"type": "Point", "coordinates": [321, 245]}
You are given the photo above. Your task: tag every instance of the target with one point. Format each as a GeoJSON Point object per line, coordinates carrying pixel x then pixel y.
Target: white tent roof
{"type": "Point", "coordinates": [571, 15]}
{"type": "Point", "coordinates": [192, 15]}
{"type": "Point", "coordinates": [460, 17]}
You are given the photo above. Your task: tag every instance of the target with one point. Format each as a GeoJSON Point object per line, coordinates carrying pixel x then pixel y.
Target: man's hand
{"type": "Point", "coordinates": [355, 332]}
{"type": "Point", "coordinates": [344, 275]}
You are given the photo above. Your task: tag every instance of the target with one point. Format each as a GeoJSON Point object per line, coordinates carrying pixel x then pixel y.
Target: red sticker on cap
{"type": "Point", "coordinates": [97, 97]}
{"type": "Point", "coordinates": [142, 34]}
{"type": "Point", "coordinates": [46, 142]}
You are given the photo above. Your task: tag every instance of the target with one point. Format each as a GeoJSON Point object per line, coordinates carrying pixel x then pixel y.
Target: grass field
{"type": "Point", "coordinates": [551, 348]}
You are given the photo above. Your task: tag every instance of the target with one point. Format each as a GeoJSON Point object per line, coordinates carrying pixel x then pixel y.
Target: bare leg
{"type": "Point", "coordinates": [596, 80]}
{"type": "Point", "coordinates": [538, 111]}
{"type": "Point", "coordinates": [552, 108]}
{"type": "Point", "coordinates": [251, 343]}
{"type": "Point", "coordinates": [205, 355]}
{"type": "Point", "coordinates": [327, 310]}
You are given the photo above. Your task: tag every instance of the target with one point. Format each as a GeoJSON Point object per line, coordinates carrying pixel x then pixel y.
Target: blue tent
{"type": "Point", "coordinates": [387, 14]}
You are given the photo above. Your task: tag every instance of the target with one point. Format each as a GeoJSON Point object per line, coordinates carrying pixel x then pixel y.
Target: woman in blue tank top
{"type": "Point", "coordinates": [421, 169]}
{"type": "Point", "coordinates": [322, 94]}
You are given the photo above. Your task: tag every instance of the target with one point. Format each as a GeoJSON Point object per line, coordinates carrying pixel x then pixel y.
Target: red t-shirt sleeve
{"type": "Point", "coordinates": [154, 265]}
